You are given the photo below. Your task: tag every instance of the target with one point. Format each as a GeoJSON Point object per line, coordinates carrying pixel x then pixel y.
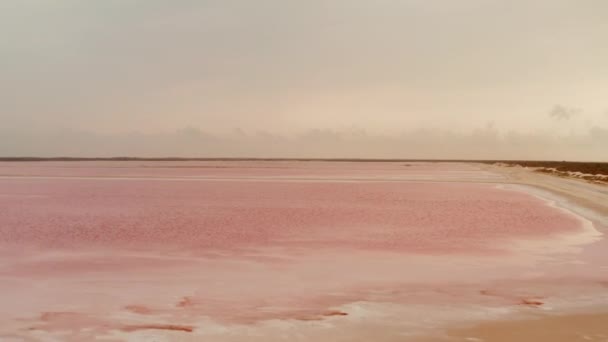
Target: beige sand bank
{"type": "Point", "coordinates": [591, 197]}
{"type": "Point", "coordinates": [567, 328]}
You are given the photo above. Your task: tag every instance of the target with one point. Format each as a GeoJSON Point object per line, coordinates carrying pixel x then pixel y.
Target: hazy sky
{"type": "Point", "coordinates": [383, 69]}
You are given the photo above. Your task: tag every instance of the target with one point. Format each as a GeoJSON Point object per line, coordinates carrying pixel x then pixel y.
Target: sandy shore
{"type": "Point", "coordinates": [559, 328]}
{"type": "Point", "coordinates": [592, 198]}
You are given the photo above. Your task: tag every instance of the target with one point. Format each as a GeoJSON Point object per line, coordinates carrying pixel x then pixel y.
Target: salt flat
{"type": "Point", "coordinates": [324, 251]}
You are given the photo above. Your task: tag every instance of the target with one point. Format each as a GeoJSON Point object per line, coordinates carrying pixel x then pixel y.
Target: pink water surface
{"type": "Point", "coordinates": [200, 216]}
{"type": "Point", "coordinates": [236, 169]}
{"type": "Point", "coordinates": [88, 249]}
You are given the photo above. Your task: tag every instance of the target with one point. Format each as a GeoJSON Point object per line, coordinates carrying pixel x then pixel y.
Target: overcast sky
{"type": "Point", "coordinates": [76, 75]}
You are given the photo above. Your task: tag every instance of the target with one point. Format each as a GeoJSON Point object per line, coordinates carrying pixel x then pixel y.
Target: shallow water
{"type": "Point", "coordinates": [239, 251]}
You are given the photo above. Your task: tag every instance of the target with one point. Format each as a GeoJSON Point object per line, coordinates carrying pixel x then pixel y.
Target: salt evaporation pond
{"type": "Point", "coordinates": [272, 251]}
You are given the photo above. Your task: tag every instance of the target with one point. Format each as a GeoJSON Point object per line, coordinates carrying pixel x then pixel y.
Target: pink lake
{"type": "Point", "coordinates": [248, 251]}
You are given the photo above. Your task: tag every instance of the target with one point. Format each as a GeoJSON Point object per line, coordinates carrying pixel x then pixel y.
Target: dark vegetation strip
{"type": "Point", "coordinates": [593, 168]}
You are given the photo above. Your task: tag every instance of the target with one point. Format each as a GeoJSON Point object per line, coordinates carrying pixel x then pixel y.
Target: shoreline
{"type": "Point", "coordinates": [588, 199]}
{"type": "Point", "coordinates": [578, 324]}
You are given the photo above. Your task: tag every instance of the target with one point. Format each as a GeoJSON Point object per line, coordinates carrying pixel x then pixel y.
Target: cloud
{"type": "Point", "coordinates": [560, 112]}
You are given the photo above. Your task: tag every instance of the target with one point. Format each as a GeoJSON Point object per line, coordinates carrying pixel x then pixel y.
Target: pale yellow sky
{"type": "Point", "coordinates": [389, 68]}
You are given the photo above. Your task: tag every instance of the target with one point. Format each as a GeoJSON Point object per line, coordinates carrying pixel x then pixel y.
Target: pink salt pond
{"type": "Point", "coordinates": [245, 251]}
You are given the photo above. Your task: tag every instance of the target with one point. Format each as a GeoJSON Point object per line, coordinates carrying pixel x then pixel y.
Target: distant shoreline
{"type": "Point", "coordinates": [509, 161]}
{"type": "Point", "coordinates": [547, 166]}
